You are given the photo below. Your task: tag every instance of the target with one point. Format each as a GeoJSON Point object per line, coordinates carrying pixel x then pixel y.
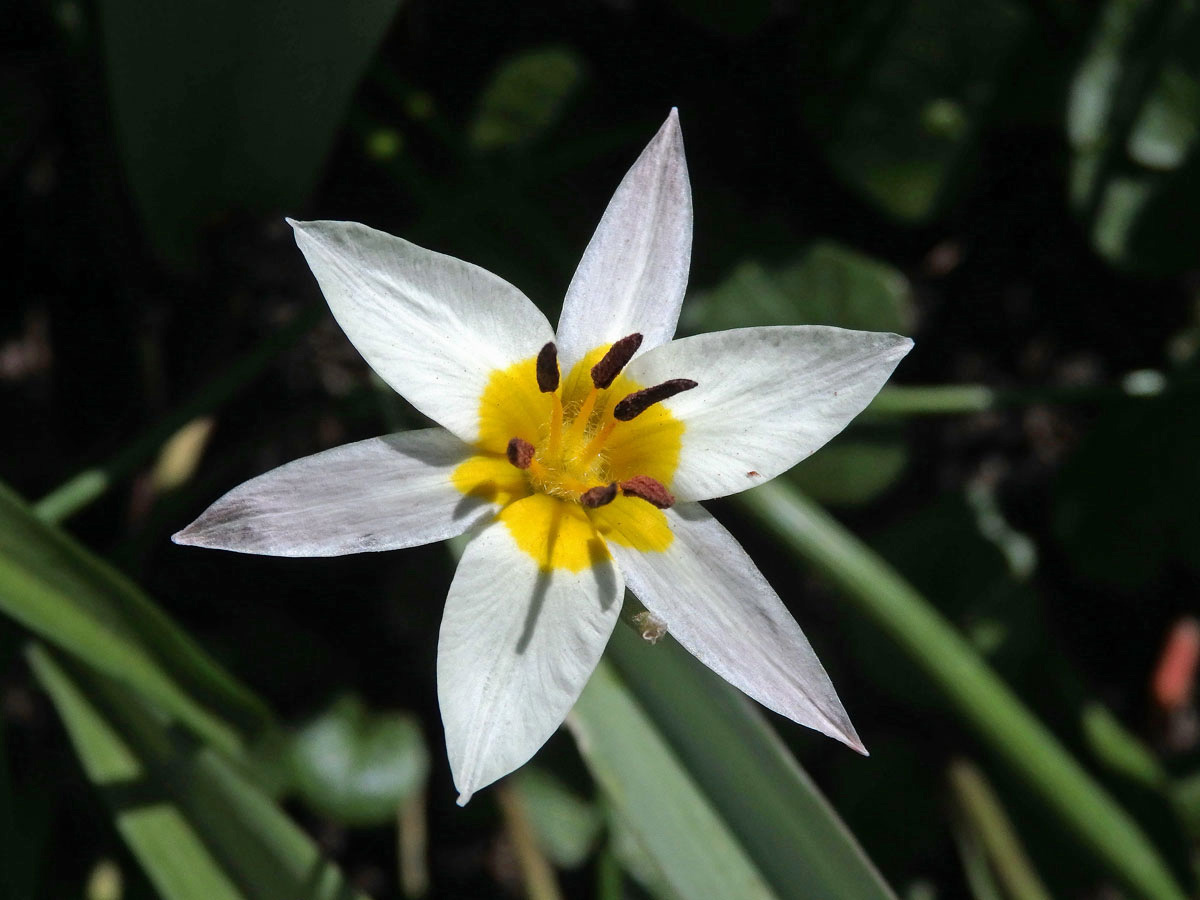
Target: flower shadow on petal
{"type": "Point", "coordinates": [606, 586]}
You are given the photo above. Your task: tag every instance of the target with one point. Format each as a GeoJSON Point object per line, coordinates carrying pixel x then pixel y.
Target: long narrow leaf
{"type": "Point", "coordinates": [695, 851]}
{"type": "Point", "coordinates": [59, 590]}
{"type": "Point", "coordinates": [984, 703]}
{"type": "Point", "coordinates": [201, 829]}
{"type": "Point", "coordinates": [751, 779]}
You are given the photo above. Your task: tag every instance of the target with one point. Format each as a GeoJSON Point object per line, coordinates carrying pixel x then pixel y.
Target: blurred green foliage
{"type": "Point", "coordinates": [356, 767]}
{"type": "Point", "coordinates": [1133, 121]}
{"type": "Point", "coordinates": [256, 90]}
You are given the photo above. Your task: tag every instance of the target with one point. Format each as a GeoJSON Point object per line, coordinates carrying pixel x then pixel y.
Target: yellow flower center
{"type": "Point", "coordinates": [567, 472]}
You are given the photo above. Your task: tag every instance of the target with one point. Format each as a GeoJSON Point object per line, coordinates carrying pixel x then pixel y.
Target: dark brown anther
{"type": "Point", "coordinates": [617, 357]}
{"type": "Point", "coordinates": [547, 369]}
{"type": "Point", "coordinates": [649, 489]}
{"type": "Point", "coordinates": [520, 453]}
{"type": "Point", "coordinates": [639, 401]}
{"type": "Point", "coordinates": [601, 495]}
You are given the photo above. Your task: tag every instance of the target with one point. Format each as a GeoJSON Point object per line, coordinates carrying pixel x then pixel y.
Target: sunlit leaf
{"type": "Point", "coordinates": [669, 817]}
{"type": "Point", "coordinates": [200, 829]}
{"type": "Point", "coordinates": [662, 734]}
{"type": "Point", "coordinates": [755, 784]}
{"type": "Point", "coordinates": [78, 602]}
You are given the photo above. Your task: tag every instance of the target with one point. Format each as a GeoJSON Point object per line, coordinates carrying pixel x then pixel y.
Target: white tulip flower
{"type": "Point", "coordinates": [574, 461]}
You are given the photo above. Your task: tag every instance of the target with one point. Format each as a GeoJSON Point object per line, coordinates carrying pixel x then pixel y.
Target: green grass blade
{"type": "Point", "coordinates": [59, 590]}
{"type": "Point", "coordinates": [751, 779]}
{"type": "Point", "coordinates": [982, 700]}
{"type": "Point", "coordinates": [695, 851]}
{"type": "Point", "coordinates": [200, 829]}
{"type": "Point", "coordinates": [983, 814]}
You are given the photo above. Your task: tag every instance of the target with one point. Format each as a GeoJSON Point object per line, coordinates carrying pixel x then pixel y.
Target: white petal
{"type": "Point", "coordinates": [634, 272]}
{"type": "Point", "coordinates": [432, 326]}
{"type": "Point", "coordinates": [717, 604]}
{"type": "Point", "coordinates": [766, 399]}
{"type": "Point", "coordinates": [379, 494]}
{"type": "Point", "coordinates": [517, 646]}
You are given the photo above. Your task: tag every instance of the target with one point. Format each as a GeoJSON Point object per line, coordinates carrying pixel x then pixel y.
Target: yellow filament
{"type": "Point", "coordinates": [596, 444]}
{"type": "Point", "coordinates": [540, 506]}
{"type": "Point", "coordinates": [585, 412]}
{"type": "Point", "coordinates": [556, 420]}
{"type": "Point", "coordinates": [538, 471]}
{"type": "Point", "coordinates": [566, 483]}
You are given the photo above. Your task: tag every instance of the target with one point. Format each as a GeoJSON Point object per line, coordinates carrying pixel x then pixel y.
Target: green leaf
{"type": "Point", "coordinates": [200, 828]}
{"type": "Point", "coordinates": [358, 767]}
{"type": "Point", "coordinates": [849, 472]}
{"type": "Point", "coordinates": [567, 826]}
{"type": "Point", "coordinates": [986, 706]}
{"type": "Point", "coordinates": [913, 81]}
{"type": "Point", "coordinates": [229, 105]}
{"type": "Point", "coordinates": [665, 810]}
{"type": "Point", "coordinates": [723, 743]}
{"type": "Point", "coordinates": [1133, 121]}
{"type": "Point", "coordinates": [525, 97]}
{"type": "Point", "coordinates": [983, 815]}
{"type": "Point", "coordinates": [78, 602]}
{"type": "Point", "coordinates": [829, 284]}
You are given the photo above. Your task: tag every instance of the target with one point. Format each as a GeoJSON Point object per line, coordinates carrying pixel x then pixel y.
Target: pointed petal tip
{"type": "Point", "coordinates": [182, 537]}
{"type": "Point", "coordinates": [464, 798]}
{"type": "Point", "coordinates": [843, 731]}
{"type": "Point", "coordinates": [670, 127]}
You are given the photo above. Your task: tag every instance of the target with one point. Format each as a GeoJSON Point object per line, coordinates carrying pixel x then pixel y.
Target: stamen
{"type": "Point", "coordinates": [602, 495]}
{"type": "Point", "coordinates": [579, 426]}
{"type": "Point", "coordinates": [617, 357]}
{"type": "Point", "coordinates": [638, 402]}
{"type": "Point", "coordinates": [649, 489]}
{"type": "Point", "coordinates": [520, 453]}
{"type": "Point", "coordinates": [596, 444]}
{"type": "Point", "coordinates": [547, 369]}
{"type": "Point", "coordinates": [556, 424]}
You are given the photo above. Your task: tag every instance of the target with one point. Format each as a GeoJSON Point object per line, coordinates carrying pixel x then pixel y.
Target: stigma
{"type": "Point", "coordinates": [569, 458]}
